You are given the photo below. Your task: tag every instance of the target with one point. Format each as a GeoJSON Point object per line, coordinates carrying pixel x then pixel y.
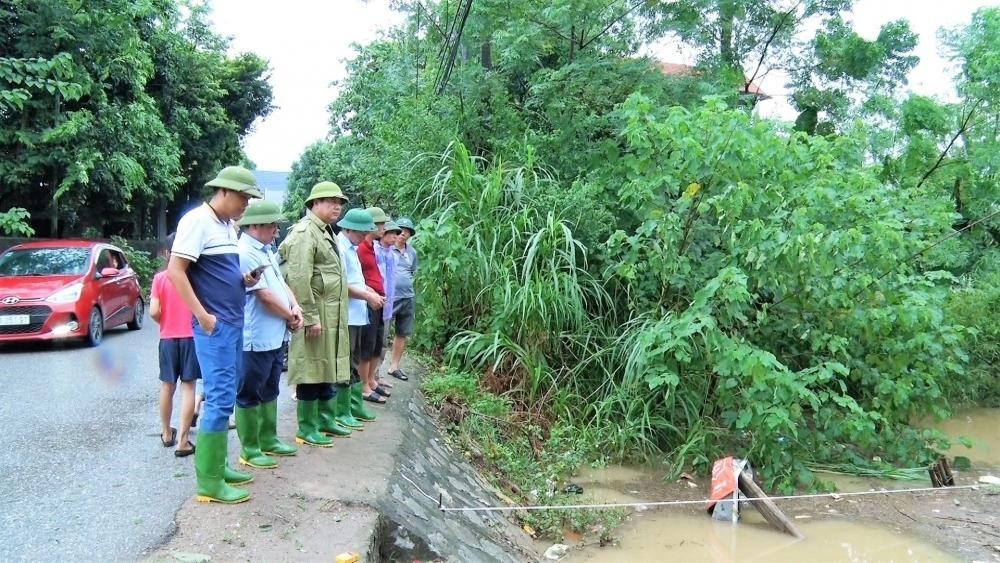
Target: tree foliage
{"type": "Point", "coordinates": [637, 256]}
{"type": "Point", "coordinates": [111, 110]}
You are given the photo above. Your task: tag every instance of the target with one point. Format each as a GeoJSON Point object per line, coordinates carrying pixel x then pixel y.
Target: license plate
{"type": "Point", "coordinates": [14, 320]}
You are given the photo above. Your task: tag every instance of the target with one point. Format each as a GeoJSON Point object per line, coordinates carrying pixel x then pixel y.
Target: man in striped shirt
{"type": "Point", "coordinates": [205, 270]}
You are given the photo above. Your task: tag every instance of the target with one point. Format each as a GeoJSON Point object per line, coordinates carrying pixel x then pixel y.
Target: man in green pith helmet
{"type": "Point", "coordinates": [204, 268]}
{"type": "Point", "coordinates": [270, 314]}
{"type": "Point", "coordinates": [354, 227]}
{"type": "Point", "coordinates": [319, 355]}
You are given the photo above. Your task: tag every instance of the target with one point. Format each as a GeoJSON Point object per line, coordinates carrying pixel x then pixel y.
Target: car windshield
{"type": "Point", "coordinates": [44, 262]}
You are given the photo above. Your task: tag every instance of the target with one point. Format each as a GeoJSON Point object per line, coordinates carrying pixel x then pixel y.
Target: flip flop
{"type": "Point", "coordinates": [173, 438]}
{"type": "Point", "coordinates": [385, 384]}
{"type": "Point", "coordinates": [374, 398]}
{"type": "Point", "coordinates": [398, 374]}
{"type": "Point", "coordinates": [184, 453]}
{"type": "Point", "coordinates": [381, 391]}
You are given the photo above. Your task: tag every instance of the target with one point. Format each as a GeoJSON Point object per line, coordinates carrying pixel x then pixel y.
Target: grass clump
{"type": "Point", "coordinates": [530, 461]}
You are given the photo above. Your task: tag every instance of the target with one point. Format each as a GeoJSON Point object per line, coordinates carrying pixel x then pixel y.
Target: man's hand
{"type": "Point", "coordinates": [294, 322]}
{"type": "Point", "coordinates": [375, 300]}
{"type": "Point", "coordinates": [312, 331]}
{"type": "Point", "coordinates": [251, 278]}
{"type": "Point", "coordinates": [207, 323]}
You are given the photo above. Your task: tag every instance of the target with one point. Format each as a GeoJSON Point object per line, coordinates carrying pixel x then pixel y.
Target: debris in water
{"type": "Point", "coordinates": [990, 480]}
{"type": "Point", "coordinates": [940, 473]}
{"type": "Point", "coordinates": [556, 551]}
{"type": "Point", "coordinates": [962, 463]}
{"type": "Point", "coordinates": [569, 536]}
{"type": "Point", "coordinates": [573, 489]}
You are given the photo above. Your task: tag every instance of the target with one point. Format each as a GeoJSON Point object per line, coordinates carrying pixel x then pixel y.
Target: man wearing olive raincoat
{"type": "Point", "coordinates": [319, 355]}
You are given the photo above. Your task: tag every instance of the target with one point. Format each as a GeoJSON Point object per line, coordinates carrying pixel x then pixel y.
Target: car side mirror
{"type": "Point", "coordinates": [108, 272]}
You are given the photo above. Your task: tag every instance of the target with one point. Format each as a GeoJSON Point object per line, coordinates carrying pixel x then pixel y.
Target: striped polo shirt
{"type": "Point", "coordinates": [210, 244]}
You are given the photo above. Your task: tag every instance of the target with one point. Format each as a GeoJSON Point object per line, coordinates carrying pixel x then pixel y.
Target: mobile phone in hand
{"type": "Point", "coordinates": [256, 272]}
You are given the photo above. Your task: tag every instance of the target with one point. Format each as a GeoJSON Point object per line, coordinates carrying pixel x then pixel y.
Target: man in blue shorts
{"type": "Point", "coordinates": [205, 270]}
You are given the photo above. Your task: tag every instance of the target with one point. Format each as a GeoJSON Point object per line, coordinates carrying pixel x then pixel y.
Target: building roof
{"type": "Point", "coordinates": [676, 69]}
{"type": "Point", "coordinates": [270, 180]}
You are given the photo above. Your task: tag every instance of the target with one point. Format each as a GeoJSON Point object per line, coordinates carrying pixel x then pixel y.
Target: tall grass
{"type": "Point", "coordinates": [518, 305]}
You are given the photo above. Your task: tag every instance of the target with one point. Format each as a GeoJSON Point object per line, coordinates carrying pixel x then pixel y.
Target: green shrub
{"type": "Point", "coordinates": [14, 222]}
{"type": "Point", "coordinates": [977, 306]}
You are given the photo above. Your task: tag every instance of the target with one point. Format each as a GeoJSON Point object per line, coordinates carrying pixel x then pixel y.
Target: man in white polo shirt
{"type": "Point", "coordinates": [204, 267]}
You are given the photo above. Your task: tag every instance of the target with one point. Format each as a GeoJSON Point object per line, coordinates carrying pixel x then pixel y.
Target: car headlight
{"type": "Point", "coordinates": [67, 294]}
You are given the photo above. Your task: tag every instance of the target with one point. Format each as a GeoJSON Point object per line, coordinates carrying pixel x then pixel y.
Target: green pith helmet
{"type": "Point", "coordinates": [391, 227]}
{"type": "Point", "coordinates": [237, 179]}
{"type": "Point", "coordinates": [406, 223]}
{"type": "Point", "coordinates": [357, 220]}
{"type": "Point", "coordinates": [261, 212]}
{"type": "Point", "coordinates": [377, 214]}
{"type": "Point", "coordinates": [326, 189]}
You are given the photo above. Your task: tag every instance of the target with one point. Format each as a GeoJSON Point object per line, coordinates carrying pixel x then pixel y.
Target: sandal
{"type": "Point", "coordinates": [398, 374]}
{"type": "Point", "coordinates": [173, 438]}
{"type": "Point", "coordinates": [374, 398]}
{"type": "Point", "coordinates": [184, 453]}
{"type": "Point", "coordinates": [381, 391]}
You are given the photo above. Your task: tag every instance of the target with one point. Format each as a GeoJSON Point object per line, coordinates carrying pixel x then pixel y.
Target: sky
{"type": "Point", "coordinates": [308, 41]}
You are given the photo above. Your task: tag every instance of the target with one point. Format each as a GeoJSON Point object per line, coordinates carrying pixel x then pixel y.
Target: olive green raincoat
{"type": "Point", "coordinates": [314, 273]}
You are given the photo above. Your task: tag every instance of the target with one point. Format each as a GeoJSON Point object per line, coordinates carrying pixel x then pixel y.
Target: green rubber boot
{"type": "Point", "coordinates": [358, 405]}
{"type": "Point", "coordinates": [308, 413]}
{"type": "Point", "coordinates": [342, 402]}
{"type": "Point", "coordinates": [210, 467]}
{"type": "Point", "coordinates": [248, 429]}
{"type": "Point", "coordinates": [269, 442]}
{"type": "Point", "coordinates": [234, 477]}
{"type": "Point", "coordinates": [328, 420]}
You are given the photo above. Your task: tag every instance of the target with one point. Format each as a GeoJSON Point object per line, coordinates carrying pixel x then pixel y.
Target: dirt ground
{"type": "Point", "coordinates": [314, 506]}
{"type": "Point", "coordinates": [963, 522]}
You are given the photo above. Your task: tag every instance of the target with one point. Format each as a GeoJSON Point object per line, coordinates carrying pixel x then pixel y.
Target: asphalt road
{"type": "Point", "coordinates": [83, 475]}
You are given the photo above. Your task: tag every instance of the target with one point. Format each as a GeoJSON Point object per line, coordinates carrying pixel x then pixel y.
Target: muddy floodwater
{"type": "Point", "coordinates": [672, 536]}
{"type": "Point", "coordinates": [834, 531]}
{"type": "Point", "coordinates": [687, 533]}
{"type": "Point", "coordinates": [982, 427]}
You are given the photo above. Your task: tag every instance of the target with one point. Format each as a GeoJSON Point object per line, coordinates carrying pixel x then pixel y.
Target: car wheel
{"type": "Point", "coordinates": [95, 327]}
{"type": "Point", "coordinates": [140, 314]}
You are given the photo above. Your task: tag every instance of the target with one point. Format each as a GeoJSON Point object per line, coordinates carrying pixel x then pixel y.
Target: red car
{"type": "Point", "coordinates": [66, 289]}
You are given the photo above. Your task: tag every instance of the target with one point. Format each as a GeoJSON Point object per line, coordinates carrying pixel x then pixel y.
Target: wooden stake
{"type": "Point", "coordinates": [767, 507]}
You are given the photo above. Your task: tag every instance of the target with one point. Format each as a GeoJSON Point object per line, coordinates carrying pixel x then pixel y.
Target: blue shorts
{"type": "Point", "coordinates": [178, 360]}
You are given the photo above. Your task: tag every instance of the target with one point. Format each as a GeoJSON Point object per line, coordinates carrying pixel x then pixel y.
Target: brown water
{"type": "Point", "coordinates": [687, 533]}
{"type": "Point", "coordinates": [665, 536]}
{"type": "Point", "coordinates": [982, 426]}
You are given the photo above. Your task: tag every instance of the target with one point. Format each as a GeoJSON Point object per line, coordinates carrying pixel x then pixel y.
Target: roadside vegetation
{"type": "Point", "coordinates": [113, 114]}
{"type": "Point", "coordinates": [621, 263]}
